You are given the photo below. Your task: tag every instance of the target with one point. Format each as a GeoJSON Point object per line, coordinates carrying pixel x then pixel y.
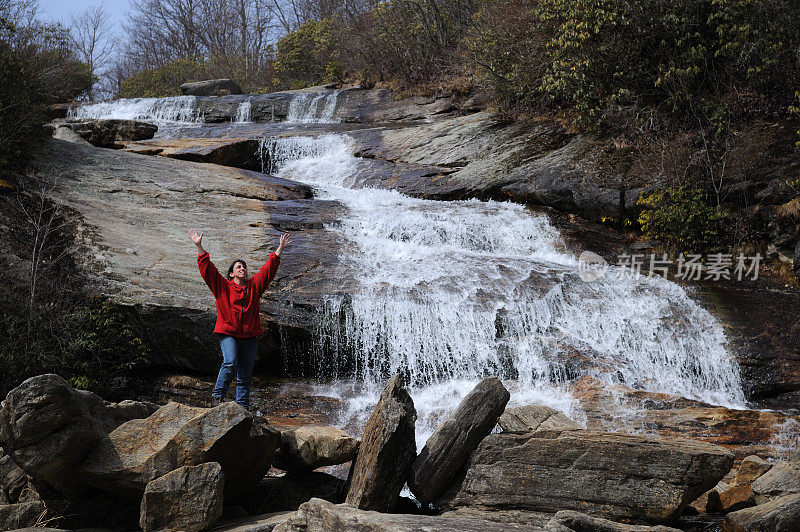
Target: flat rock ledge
{"type": "Point", "coordinates": [618, 476]}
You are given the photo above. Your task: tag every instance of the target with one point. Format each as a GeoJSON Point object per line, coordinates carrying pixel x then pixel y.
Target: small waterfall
{"type": "Point", "coordinates": [243, 112]}
{"type": "Point", "coordinates": [450, 292]}
{"type": "Point", "coordinates": [308, 108]}
{"type": "Point", "coordinates": [171, 109]}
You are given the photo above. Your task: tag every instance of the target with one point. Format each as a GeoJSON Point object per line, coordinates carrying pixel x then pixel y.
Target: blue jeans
{"type": "Point", "coordinates": [238, 355]}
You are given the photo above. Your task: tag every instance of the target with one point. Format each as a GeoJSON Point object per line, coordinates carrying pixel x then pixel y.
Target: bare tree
{"type": "Point", "coordinates": [92, 37]}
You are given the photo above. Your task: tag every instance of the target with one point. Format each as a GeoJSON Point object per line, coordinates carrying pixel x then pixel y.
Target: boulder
{"type": "Point", "coordinates": [448, 449]}
{"type": "Point", "coordinates": [619, 476]}
{"type": "Point", "coordinates": [177, 435]}
{"type": "Point", "coordinates": [535, 417]}
{"type": "Point", "coordinates": [779, 515]}
{"type": "Point", "coordinates": [321, 516]}
{"type": "Point", "coordinates": [782, 479]}
{"type": "Point", "coordinates": [24, 514]}
{"type": "Point", "coordinates": [188, 498]}
{"type": "Point", "coordinates": [309, 447]}
{"type": "Point", "coordinates": [48, 428]}
{"type": "Point", "coordinates": [580, 522]}
{"type": "Point", "coordinates": [105, 133]}
{"type": "Point", "coordinates": [66, 134]}
{"type": "Point", "coordinates": [737, 494]}
{"type": "Point", "coordinates": [288, 492]}
{"type": "Point", "coordinates": [211, 87]}
{"type": "Point", "coordinates": [387, 451]}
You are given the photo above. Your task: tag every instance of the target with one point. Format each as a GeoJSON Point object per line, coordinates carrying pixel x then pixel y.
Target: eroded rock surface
{"type": "Point", "coordinates": [211, 87]}
{"type": "Point", "coordinates": [779, 515]}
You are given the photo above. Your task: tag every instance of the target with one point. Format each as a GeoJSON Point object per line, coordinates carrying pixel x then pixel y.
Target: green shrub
{"type": "Point", "coordinates": [308, 56]}
{"type": "Point", "coordinates": [683, 220]}
{"type": "Point", "coordinates": [165, 80]}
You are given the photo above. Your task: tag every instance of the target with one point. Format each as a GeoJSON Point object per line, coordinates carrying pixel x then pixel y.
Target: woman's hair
{"type": "Point", "coordinates": [230, 269]}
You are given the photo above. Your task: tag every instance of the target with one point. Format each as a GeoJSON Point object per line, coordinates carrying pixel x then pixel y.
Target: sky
{"type": "Point", "coordinates": [60, 10]}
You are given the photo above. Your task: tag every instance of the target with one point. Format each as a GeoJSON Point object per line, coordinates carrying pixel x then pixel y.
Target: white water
{"type": "Point", "coordinates": [243, 112]}
{"type": "Point", "coordinates": [309, 108]}
{"type": "Point", "coordinates": [450, 292]}
{"type": "Point", "coordinates": [159, 110]}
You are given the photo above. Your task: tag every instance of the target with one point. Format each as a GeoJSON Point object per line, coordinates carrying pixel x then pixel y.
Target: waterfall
{"type": "Point", "coordinates": [243, 112]}
{"type": "Point", "coordinates": [171, 109]}
{"type": "Point", "coordinates": [450, 292]}
{"type": "Point", "coordinates": [307, 108]}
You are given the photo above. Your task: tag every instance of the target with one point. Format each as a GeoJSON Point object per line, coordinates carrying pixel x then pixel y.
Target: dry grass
{"type": "Point", "coordinates": [790, 209]}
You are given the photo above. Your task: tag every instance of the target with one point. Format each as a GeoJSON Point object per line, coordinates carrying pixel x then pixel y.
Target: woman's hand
{"type": "Point", "coordinates": [198, 240]}
{"type": "Point", "coordinates": [285, 241]}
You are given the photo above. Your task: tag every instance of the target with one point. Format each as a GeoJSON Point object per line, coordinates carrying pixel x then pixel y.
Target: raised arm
{"type": "Point", "coordinates": [208, 271]}
{"type": "Point", "coordinates": [265, 275]}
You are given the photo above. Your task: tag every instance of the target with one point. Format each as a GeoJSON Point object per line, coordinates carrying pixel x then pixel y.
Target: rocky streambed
{"type": "Point", "coordinates": [405, 260]}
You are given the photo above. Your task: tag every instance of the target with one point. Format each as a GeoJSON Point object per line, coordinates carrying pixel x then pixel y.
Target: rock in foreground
{"type": "Point", "coordinates": [312, 446]}
{"type": "Point", "coordinates": [176, 435]}
{"type": "Point", "coordinates": [581, 522]}
{"type": "Point", "coordinates": [321, 516]}
{"type": "Point", "coordinates": [48, 428]}
{"type": "Point", "coordinates": [782, 479]}
{"type": "Point", "coordinates": [448, 449]}
{"type": "Point", "coordinates": [780, 515]}
{"type": "Point", "coordinates": [615, 475]}
{"type": "Point", "coordinates": [188, 498]}
{"type": "Point", "coordinates": [386, 453]}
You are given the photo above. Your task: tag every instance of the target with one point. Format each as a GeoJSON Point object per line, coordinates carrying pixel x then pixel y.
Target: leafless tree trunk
{"type": "Point", "coordinates": [92, 37]}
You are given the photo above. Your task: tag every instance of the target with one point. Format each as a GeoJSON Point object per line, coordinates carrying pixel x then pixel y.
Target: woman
{"type": "Point", "coordinates": [238, 320]}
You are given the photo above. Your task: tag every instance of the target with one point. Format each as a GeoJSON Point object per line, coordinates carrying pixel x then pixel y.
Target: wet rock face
{"type": "Point", "coordinates": [176, 435]}
{"type": "Point", "coordinates": [188, 498]}
{"type": "Point", "coordinates": [211, 87]}
{"type": "Point", "coordinates": [48, 428]}
{"type": "Point", "coordinates": [448, 449]}
{"type": "Point", "coordinates": [156, 279]}
{"type": "Point", "coordinates": [386, 453]}
{"type": "Point", "coordinates": [642, 478]}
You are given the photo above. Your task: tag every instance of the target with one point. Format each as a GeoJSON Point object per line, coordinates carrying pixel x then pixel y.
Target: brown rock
{"type": "Point", "coordinates": [535, 417]}
{"type": "Point", "coordinates": [24, 514]}
{"type": "Point", "coordinates": [387, 451]}
{"type": "Point", "coordinates": [448, 449]}
{"type": "Point", "coordinates": [188, 498]}
{"type": "Point", "coordinates": [176, 435]}
{"type": "Point", "coordinates": [779, 515]}
{"type": "Point", "coordinates": [737, 495]}
{"type": "Point", "coordinates": [616, 475]}
{"type": "Point", "coordinates": [311, 446]}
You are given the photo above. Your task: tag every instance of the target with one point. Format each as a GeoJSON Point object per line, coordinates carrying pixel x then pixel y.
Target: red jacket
{"type": "Point", "coordinates": [237, 306]}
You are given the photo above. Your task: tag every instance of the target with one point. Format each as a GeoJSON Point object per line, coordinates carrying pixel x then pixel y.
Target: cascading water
{"type": "Point", "coordinates": [172, 109]}
{"type": "Point", "coordinates": [243, 112]}
{"type": "Point", "coordinates": [450, 292]}
{"type": "Point", "coordinates": [311, 108]}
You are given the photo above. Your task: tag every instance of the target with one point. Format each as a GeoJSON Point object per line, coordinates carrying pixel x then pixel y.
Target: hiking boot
{"type": "Point", "coordinates": [216, 401]}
